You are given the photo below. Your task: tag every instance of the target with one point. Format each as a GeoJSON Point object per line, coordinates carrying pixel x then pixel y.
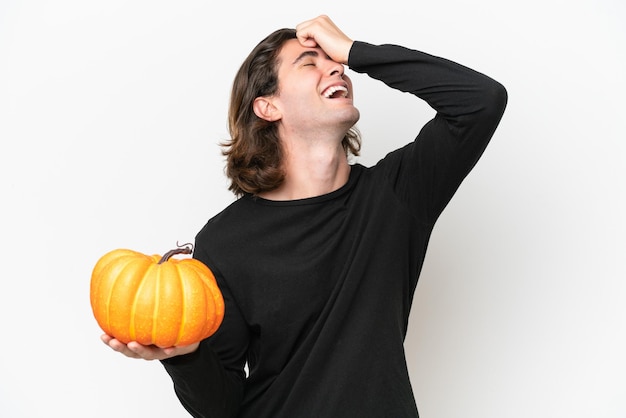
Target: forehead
{"type": "Point", "coordinates": [292, 51]}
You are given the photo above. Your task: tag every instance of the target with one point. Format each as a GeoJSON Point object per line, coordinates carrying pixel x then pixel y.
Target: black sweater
{"type": "Point", "coordinates": [318, 291]}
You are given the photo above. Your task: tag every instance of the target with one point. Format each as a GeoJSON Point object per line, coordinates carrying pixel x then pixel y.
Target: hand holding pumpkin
{"type": "Point", "coordinates": [147, 352]}
{"type": "Point", "coordinates": [154, 301]}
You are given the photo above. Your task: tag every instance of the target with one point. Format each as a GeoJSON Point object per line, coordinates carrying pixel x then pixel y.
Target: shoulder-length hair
{"type": "Point", "coordinates": [254, 155]}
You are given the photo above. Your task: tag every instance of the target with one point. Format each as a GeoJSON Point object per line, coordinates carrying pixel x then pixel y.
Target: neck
{"type": "Point", "coordinates": [311, 169]}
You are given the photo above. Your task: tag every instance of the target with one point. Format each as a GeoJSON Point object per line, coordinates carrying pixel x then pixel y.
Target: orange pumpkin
{"type": "Point", "coordinates": [155, 300]}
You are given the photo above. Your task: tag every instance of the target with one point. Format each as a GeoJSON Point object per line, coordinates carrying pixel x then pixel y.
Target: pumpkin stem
{"type": "Point", "coordinates": [182, 249]}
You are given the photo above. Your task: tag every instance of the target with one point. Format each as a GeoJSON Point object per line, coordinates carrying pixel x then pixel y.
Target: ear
{"type": "Point", "coordinates": [265, 109]}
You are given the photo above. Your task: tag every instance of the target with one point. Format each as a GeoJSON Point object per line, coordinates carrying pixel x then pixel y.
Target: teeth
{"type": "Point", "coordinates": [333, 89]}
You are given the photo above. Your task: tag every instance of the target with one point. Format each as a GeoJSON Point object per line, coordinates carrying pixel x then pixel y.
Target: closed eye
{"type": "Point", "coordinates": [306, 55]}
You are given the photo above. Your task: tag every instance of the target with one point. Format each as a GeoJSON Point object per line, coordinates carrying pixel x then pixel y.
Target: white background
{"type": "Point", "coordinates": [110, 116]}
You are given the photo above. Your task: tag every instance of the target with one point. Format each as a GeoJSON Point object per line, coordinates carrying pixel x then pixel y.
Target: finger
{"type": "Point", "coordinates": [118, 346]}
{"type": "Point", "coordinates": [308, 31]}
{"type": "Point", "coordinates": [322, 32]}
{"type": "Point", "coordinates": [307, 42]}
{"type": "Point", "coordinates": [305, 35]}
{"type": "Point", "coordinates": [122, 348]}
{"type": "Point", "coordinates": [180, 350]}
{"type": "Point", "coordinates": [170, 351]}
{"type": "Point", "coordinates": [146, 352]}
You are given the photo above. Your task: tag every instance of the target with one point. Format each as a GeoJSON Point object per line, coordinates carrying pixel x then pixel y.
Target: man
{"type": "Point", "coordinates": [318, 259]}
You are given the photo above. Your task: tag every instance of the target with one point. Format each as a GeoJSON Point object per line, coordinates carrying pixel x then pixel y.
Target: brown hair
{"type": "Point", "coordinates": [254, 154]}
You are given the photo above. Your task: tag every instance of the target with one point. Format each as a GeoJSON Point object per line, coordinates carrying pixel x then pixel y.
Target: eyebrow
{"type": "Point", "coordinates": [309, 53]}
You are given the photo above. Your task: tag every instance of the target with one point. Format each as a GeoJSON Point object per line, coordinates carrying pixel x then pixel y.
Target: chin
{"type": "Point", "coordinates": [354, 116]}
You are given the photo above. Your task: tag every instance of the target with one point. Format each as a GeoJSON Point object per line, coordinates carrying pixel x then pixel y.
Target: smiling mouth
{"type": "Point", "coordinates": [335, 92]}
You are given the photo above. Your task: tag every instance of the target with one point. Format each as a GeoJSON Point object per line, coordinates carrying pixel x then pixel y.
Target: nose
{"type": "Point", "coordinates": [337, 69]}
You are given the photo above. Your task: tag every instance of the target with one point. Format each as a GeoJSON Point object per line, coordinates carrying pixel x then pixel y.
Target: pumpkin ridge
{"type": "Point", "coordinates": [198, 283]}
{"type": "Point", "coordinates": [205, 274]}
{"type": "Point", "coordinates": [209, 314]}
{"type": "Point", "coordinates": [133, 309]}
{"type": "Point", "coordinates": [107, 307]}
{"type": "Point", "coordinates": [210, 297]}
{"type": "Point", "coordinates": [183, 315]}
{"type": "Point", "coordinates": [157, 300]}
{"type": "Point", "coordinates": [206, 298]}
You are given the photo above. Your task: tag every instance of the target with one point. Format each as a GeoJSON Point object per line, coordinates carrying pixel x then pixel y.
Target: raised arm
{"type": "Point", "coordinates": [468, 105]}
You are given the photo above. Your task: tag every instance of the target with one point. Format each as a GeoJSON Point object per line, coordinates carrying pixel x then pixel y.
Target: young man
{"type": "Point", "coordinates": [318, 259]}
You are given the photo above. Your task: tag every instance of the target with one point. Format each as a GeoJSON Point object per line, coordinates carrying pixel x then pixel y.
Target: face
{"type": "Point", "coordinates": [313, 92]}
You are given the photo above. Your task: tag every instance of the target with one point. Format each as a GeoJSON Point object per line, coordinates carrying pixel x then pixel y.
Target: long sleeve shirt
{"type": "Point", "coordinates": [318, 291]}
